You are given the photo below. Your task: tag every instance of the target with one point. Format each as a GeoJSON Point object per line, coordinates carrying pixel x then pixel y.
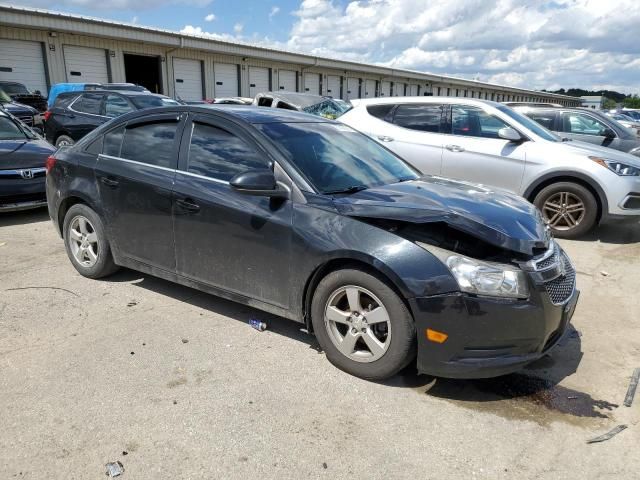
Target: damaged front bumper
{"type": "Point", "coordinates": [488, 337]}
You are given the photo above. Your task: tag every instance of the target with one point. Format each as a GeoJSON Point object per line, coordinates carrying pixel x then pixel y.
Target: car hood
{"type": "Point", "coordinates": [16, 108]}
{"type": "Point", "coordinates": [589, 149]}
{"type": "Point", "coordinates": [16, 154]}
{"type": "Point", "coordinates": [494, 216]}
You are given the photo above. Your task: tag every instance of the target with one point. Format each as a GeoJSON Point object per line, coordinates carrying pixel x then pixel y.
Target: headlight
{"type": "Point", "coordinates": [618, 168]}
{"type": "Point", "coordinates": [483, 278]}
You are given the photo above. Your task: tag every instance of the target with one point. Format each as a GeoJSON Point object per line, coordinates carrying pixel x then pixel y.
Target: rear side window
{"type": "Point", "coordinates": [546, 119]}
{"type": "Point", "coordinates": [425, 118]}
{"type": "Point", "coordinates": [217, 153]}
{"type": "Point", "coordinates": [62, 101]}
{"type": "Point", "coordinates": [380, 111]}
{"type": "Point", "coordinates": [88, 103]}
{"type": "Point", "coordinates": [151, 143]}
{"type": "Point", "coordinates": [112, 142]}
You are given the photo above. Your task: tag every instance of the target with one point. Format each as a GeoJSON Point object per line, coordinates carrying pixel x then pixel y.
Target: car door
{"type": "Point", "coordinates": [84, 115]}
{"type": "Point", "coordinates": [239, 243]}
{"type": "Point", "coordinates": [586, 128]}
{"type": "Point", "coordinates": [474, 152]}
{"type": "Point", "coordinates": [412, 131]}
{"type": "Point", "coordinates": [135, 175]}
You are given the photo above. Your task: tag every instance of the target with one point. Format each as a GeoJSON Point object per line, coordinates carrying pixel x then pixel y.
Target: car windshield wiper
{"type": "Point", "coordinates": [351, 189]}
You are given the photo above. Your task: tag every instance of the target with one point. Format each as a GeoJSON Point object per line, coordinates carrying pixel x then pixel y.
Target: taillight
{"type": "Point", "coordinates": [51, 161]}
{"type": "Point", "coordinates": [46, 115]}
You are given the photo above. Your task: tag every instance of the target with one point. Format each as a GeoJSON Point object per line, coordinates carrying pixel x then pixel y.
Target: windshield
{"type": "Point", "coordinates": [9, 130]}
{"type": "Point", "coordinates": [335, 158]}
{"type": "Point", "coordinates": [329, 108]}
{"type": "Point", "coordinates": [15, 89]}
{"type": "Point", "coordinates": [150, 101]}
{"type": "Point", "coordinates": [535, 127]}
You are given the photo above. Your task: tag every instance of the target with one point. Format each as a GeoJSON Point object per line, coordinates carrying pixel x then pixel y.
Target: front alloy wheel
{"type": "Point", "coordinates": [570, 209]}
{"type": "Point", "coordinates": [563, 211]}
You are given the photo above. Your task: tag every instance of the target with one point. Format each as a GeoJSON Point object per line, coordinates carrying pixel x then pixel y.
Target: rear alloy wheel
{"type": "Point", "coordinates": [86, 243]}
{"type": "Point", "coordinates": [64, 141]}
{"type": "Point", "coordinates": [568, 208]}
{"type": "Point", "coordinates": [363, 326]}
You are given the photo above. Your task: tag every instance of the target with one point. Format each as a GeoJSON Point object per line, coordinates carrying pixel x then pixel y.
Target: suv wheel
{"type": "Point", "coordinates": [568, 208]}
{"type": "Point", "coordinates": [86, 243]}
{"type": "Point", "coordinates": [363, 326]}
{"type": "Point", "coordinates": [64, 141]}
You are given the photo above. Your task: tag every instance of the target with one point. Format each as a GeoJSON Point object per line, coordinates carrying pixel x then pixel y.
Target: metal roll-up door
{"type": "Point", "coordinates": [187, 79]}
{"type": "Point", "coordinates": [22, 62]}
{"type": "Point", "coordinates": [398, 89]}
{"type": "Point", "coordinates": [385, 89]}
{"type": "Point", "coordinates": [312, 83]}
{"type": "Point", "coordinates": [413, 90]}
{"type": "Point", "coordinates": [258, 80]}
{"type": "Point", "coordinates": [369, 89]}
{"type": "Point", "coordinates": [85, 64]}
{"type": "Point", "coordinates": [333, 86]}
{"type": "Point", "coordinates": [287, 80]}
{"type": "Point", "coordinates": [353, 88]}
{"type": "Point", "coordinates": [225, 76]}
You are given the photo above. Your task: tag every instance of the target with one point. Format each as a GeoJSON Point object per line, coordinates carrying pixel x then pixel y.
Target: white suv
{"type": "Point", "coordinates": [575, 185]}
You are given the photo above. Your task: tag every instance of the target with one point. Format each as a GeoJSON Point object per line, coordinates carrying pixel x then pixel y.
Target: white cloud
{"type": "Point", "coordinates": [274, 11]}
{"type": "Point", "coordinates": [210, 18]}
{"type": "Point", "coordinates": [238, 28]}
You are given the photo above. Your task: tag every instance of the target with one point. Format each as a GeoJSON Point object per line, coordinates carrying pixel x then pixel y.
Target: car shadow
{"type": "Point", "coordinates": [24, 217]}
{"type": "Point", "coordinates": [620, 234]}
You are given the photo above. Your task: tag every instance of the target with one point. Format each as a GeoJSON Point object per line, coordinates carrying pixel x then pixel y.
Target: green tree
{"type": "Point", "coordinates": [632, 101]}
{"type": "Point", "coordinates": [608, 103]}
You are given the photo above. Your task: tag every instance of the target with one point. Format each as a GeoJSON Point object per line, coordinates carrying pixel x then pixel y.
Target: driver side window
{"type": "Point", "coordinates": [474, 122]}
{"type": "Point", "coordinates": [582, 124]}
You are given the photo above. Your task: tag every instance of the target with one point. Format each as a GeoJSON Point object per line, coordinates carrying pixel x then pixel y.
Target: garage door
{"type": "Point", "coordinates": [369, 89]}
{"type": "Point", "coordinates": [312, 83]}
{"type": "Point", "coordinates": [287, 80]}
{"type": "Point", "coordinates": [385, 89]}
{"type": "Point", "coordinates": [85, 65]}
{"type": "Point", "coordinates": [258, 80]}
{"type": "Point", "coordinates": [413, 90]}
{"type": "Point", "coordinates": [398, 89]}
{"type": "Point", "coordinates": [22, 62]}
{"type": "Point", "coordinates": [187, 79]}
{"type": "Point", "coordinates": [226, 79]}
{"type": "Point", "coordinates": [353, 88]}
{"type": "Point", "coordinates": [333, 86]}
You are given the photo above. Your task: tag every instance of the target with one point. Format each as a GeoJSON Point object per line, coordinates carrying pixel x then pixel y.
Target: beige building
{"type": "Point", "coordinates": [40, 48]}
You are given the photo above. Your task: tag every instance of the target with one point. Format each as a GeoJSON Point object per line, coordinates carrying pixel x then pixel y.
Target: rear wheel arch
{"type": "Point", "coordinates": [601, 199]}
{"type": "Point", "coordinates": [69, 202]}
{"type": "Point", "coordinates": [360, 262]}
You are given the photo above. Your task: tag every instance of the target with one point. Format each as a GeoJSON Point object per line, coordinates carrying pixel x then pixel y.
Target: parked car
{"type": "Point", "coordinates": [633, 113]}
{"type": "Point", "coordinates": [21, 94]}
{"type": "Point", "coordinates": [23, 155]}
{"type": "Point", "coordinates": [59, 88]}
{"type": "Point", "coordinates": [308, 219]}
{"type": "Point", "coordinates": [26, 114]}
{"type": "Point", "coordinates": [322, 106]}
{"type": "Point", "coordinates": [575, 185]}
{"type": "Point", "coordinates": [586, 125]}
{"type": "Point", "coordinates": [626, 121]}
{"type": "Point", "coordinates": [74, 114]}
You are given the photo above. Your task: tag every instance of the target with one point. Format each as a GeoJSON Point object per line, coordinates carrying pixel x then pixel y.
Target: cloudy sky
{"type": "Point", "coordinates": [591, 44]}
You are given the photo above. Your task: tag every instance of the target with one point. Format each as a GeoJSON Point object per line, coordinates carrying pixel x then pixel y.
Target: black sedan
{"type": "Point", "coordinates": [23, 156]}
{"type": "Point", "coordinates": [309, 219]}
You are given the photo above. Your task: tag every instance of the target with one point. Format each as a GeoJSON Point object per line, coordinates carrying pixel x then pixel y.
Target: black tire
{"type": "Point", "coordinates": [574, 225]}
{"type": "Point", "coordinates": [402, 344]}
{"type": "Point", "coordinates": [64, 140]}
{"type": "Point", "coordinates": [104, 264]}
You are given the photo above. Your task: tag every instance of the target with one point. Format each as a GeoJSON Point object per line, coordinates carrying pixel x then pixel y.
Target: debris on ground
{"type": "Point", "coordinates": [258, 325]}
{"type": "Point", "coordinates": [610, 434]}
{"type": "Point", "coordinates": [175, 402]}
{"type": "Point", "coordinates": [132, 303]}
{"type": "Point", "coordinates": [125, 453]}
{"type": "Point", "coordinates": [2, 244]}
{"type": "Point", "coordinates": [185, 340]}
{"type": "Point", "coordinates": [133, 353]}
{"type": "Point", "coordinates": [114, 469]}
{"type": "Point", "coordinates": [633, 385]}
{"type": "Point", "coordinates": [324, 465]}
{"type": "Point", "coordinates": [604, 274]}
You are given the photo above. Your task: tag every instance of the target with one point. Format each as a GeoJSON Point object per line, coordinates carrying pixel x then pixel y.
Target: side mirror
{"type": "Point", "coordinates": [609, 133]}
{"type": "Point", "coordinates": [261, 183]}
{"type": "Point", "coordinates": [511, 134]}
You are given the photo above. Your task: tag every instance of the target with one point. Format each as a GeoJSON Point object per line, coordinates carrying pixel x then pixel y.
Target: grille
{"type": "Point", "coordinates": [548, 262]}
{"type": "Point", "coordinates": [561, 288]}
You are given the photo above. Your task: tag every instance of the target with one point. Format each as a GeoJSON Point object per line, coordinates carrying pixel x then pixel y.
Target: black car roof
{"type": "Point", "coordinates": [129, 93]}
{"type": "Point", "coordinates": [253, 114]}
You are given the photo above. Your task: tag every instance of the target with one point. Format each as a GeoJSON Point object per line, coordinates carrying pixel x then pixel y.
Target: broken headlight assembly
{"type": "Point", "coordinates": [480, 277]}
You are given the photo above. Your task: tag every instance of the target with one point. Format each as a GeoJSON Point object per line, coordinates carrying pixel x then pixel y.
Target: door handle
{"type": "Point", "coordinates": [110, 182]}
{"type": "Point", "coordinates": [188, 204]}
{"type": "Point", "coordinates": [454, 148]}
{"type": "Point", "coordinates": [384, 138]}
